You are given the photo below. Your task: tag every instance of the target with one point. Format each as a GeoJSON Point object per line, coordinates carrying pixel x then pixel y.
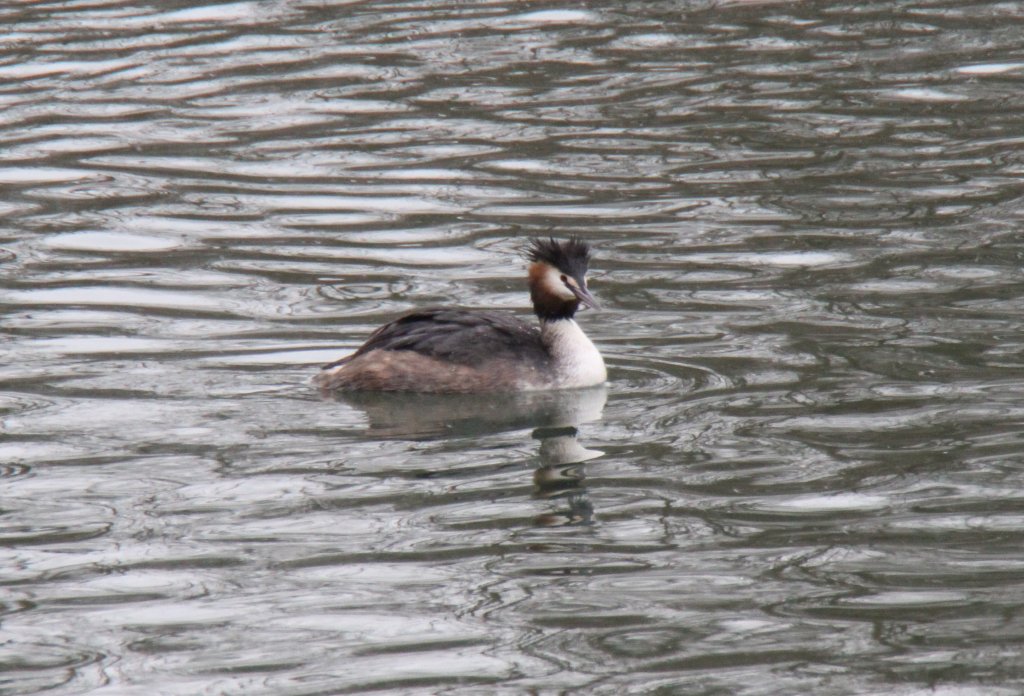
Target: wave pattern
{"type": "Point", "coordinates": [804, 476]}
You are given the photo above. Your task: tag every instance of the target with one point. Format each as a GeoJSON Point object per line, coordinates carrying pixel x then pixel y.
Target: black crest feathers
{"type": "Point", "coordinates": [571, 256]}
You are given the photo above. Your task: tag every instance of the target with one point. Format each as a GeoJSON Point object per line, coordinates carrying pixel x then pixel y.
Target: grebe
{"type": "Point", "coordinates": [441, 350]}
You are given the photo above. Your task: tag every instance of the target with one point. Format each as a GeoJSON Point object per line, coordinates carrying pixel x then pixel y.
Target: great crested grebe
{"type": "Point", "coordinates": [441, 350]}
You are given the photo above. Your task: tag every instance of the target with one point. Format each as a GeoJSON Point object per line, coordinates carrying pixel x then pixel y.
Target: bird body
{"type": "Point", "coordinates": [442, 350]}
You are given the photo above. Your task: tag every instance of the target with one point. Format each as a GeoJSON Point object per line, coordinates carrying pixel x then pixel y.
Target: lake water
{"type": "Point", "coordinates": [805, 476]}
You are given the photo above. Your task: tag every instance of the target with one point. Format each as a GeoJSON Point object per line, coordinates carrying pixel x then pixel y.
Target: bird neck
{"type": "Point", "coordinates": [549, 308]}
{"type": "Point", "coordinates": [575, 361]}
{"type": "Point", "coordinates": [563, 336]}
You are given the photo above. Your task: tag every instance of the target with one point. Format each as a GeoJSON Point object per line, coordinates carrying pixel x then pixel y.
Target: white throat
{"type": "Point", "coordinates": [577, 362]}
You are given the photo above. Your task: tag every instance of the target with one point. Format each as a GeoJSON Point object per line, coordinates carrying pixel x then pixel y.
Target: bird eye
{"type": "Point", "coordinates": [565, 279]}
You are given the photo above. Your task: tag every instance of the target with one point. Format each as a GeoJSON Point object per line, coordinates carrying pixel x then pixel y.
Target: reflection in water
{"type": "Point", "coordinates": [415, 416]}
{"type": "Point", "coordinates": [556, 416]}
{"type": "Point", "coordinates": [560, 475]}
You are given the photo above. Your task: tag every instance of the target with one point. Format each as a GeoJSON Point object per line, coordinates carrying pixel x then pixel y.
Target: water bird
{"type": "Point", "coordinates": [450, 351]}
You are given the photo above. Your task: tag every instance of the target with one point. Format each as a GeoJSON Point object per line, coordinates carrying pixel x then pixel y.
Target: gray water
{"type": "Point", "coordinates": [805, 473]}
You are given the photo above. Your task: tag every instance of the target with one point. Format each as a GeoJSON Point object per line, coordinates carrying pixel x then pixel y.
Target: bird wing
{"type": "Point", "coordinates": [458, 336]}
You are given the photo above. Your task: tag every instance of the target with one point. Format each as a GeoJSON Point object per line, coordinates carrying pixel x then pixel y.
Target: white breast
{"type": "Point", "coordinates": [577, 361]}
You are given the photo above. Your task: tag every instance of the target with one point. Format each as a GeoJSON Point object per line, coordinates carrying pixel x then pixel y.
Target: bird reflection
{"type": "Point", "coordinates": [554, 415]}
{"type": "Point", "coordinates": [560, 476]}
{"type": "Point", "coordinates": [410, 416]}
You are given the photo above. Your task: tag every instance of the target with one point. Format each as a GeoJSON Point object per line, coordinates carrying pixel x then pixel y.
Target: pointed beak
{"type": "Point", "coordinates": [584, 296]}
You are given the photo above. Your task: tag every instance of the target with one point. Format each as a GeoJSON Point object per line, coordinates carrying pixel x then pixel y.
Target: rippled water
{"type": "Point", "coordinates": [805, 473]}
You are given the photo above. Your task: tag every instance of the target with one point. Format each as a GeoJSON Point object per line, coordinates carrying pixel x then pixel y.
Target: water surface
{"type": "Point", "coordinates": [803, 477]}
